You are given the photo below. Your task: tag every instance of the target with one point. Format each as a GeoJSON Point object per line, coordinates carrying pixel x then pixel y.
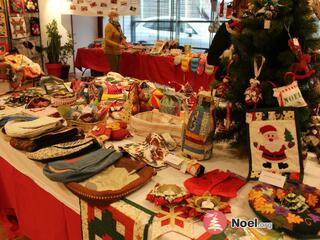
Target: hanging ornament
{"type": "Point", "coordinates": [301, 68]}
{"type": "Point", "coordinates": [223, 87]}
{"type": "Point", "coordinates": [253, 94]}
{"type": "Point", "coordinates": [221, 13]}
{"type": "Point", "coordinates": [290, 95]}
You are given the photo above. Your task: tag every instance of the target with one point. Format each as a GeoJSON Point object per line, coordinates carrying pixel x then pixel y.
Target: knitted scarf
{"type": "Point", "coordinates": [117, 25]}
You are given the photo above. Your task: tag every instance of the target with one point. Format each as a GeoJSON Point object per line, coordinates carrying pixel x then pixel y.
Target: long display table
{"type": "Point", "coordinates": [159, 69]}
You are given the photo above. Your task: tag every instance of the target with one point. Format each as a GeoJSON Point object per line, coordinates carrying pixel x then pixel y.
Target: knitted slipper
{"type": "Point", "coordinates": [178, 59]}
{"type": "Point", "coordinates": [201, 66]}
{"type": "Point", "coordinates": [194, 64]}
{"type": "Point", "coordinates": [228, 188]}
{"type": "Point", "coordinates": [200, 185]}
{"type": "Point", "coordinates": [185, 64]}
{"type": "Point", "coordinates": [209, 70]}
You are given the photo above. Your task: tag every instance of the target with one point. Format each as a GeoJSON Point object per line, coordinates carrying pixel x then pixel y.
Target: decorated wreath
{"type": "Point", "coordinates": [166, 194]}
{"type": "Point", "coordinates": [294, 209]}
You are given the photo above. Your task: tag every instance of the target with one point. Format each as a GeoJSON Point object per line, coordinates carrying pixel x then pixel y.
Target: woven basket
{"type": "Point", "coordinates": [86, 127]}
{"type": "Point", "coordinates": [57, 101]}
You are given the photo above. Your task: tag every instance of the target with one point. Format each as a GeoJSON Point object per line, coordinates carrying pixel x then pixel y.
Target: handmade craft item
{"type": "Point", "coordinates": [217, 183]}
{"type": "Point", "coordinates": [119, 220]}
{"type": "Point", "coordinates": [274, 139]}
{"type": "Point", "coordinates": [209, 69]}
{"type": "Point", "coordinates": [81, 168]}
{"type": "Point", "coordinates": [38, 102]}
{"type": "Point", "coordinates": [46, 140]}
{"type": "Point", "coordinates": [3, 50]}
{"type": "Point", "coordinates": [172, 219]}
{"type": "Point", "coordinates": [65, 150]}
{"type": "Point", "coordinates": [31, 6]}
{"type": "Point", "coordinates": [293, 209]}
{"type": "Point", "coordinates": [3, 25]}
{"type": "Point", "coordinates": [196, 140]}
{"type": "Point", "coordinates": [199, 205]}
{"type": "Point", "coordinates": [144, 123]}
{"type": "Point", "coordinates": [185, 63]}
{"type": "Point", "coordinates": [171, 103]}
{"type": "Point", "coordinates": [18, 27]}
{"type": "Point", "coordinates": [33, 128]}
{"type": "Point", "coordinates": [16, 6]}
{"type": "Point", "coordinates": [53, 85]}
{"type": "Point", "coordinates": [152, 151]}
{"type": "Point", "coordinates": [166, 194]}
{"type": "Point", "coordinates": [289, 96]}
{"type": "Point", "coordinates": [300, 69]}
{"type": "Point", "coordinates": [201, 66]}
{"type": "Point", "coordinates": [114, 183]}
{"type": "Point", "coordinates": [34, 26]}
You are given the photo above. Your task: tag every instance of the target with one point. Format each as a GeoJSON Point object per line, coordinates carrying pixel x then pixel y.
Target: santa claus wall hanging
{"type": "Point", "coordinates": [274, 143]}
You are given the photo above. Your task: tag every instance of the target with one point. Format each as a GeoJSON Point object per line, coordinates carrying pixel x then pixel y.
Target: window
{"type": "Point", "coordinates": [186, 21]}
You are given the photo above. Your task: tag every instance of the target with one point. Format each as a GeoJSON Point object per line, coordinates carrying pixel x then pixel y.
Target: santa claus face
{"type": "Point", "coordinates": [271, 136]}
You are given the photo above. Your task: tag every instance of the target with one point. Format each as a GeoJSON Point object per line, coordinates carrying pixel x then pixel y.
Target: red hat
{"type": "Point", "coordinates": [267, 128]}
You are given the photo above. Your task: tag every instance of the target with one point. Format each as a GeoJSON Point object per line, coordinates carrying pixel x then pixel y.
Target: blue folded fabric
{"type": "Point", "coordinates": [81, 168]}
{"type": "Point", "coordinates": [4, 120]}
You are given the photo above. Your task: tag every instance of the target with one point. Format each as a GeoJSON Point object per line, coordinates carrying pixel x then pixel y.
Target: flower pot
{"type": "Point", "coordinates": [65, 72]}
{"type": "Point", "coordinates": [54, 69]}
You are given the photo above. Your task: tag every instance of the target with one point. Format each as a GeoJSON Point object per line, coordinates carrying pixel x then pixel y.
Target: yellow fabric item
{"type": "Point", "coordinates": [112, 40]}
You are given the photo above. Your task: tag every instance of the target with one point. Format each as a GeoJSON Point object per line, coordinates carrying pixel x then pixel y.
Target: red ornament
{"type": "Point", "coordinates": [253, 94]}
{"type": "Point", "coordinates": [222, 88]}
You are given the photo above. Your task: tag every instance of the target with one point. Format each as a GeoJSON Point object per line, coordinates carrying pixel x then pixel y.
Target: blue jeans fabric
{"type": "Point", "coordinates": [81, 168]}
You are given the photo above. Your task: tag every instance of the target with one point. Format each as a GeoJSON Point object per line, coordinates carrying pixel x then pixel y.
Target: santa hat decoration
{"type": "Point", "coordinates": [267, 128]}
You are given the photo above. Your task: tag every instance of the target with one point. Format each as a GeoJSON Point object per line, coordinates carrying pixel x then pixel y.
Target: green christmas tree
{"type": "Point", "coordinates": [266, 29]}
{"type": "Point", "coordinates": [288, 136]}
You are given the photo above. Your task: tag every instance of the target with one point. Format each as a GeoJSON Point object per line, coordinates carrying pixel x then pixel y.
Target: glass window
{"type": "Point", "coordinates": [186, 21]}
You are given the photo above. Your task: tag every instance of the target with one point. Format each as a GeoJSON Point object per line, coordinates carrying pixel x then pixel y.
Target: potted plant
{"type": "Point", "coordinates": [67, 51]}
{"type": "Point", "coordinates": [53, 49]}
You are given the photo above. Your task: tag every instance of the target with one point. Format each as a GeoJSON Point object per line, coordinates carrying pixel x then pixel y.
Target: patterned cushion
{"type": "Point", "coordinates": [114, 183]}
{"type": "Point", "coordinates": [294, 209]}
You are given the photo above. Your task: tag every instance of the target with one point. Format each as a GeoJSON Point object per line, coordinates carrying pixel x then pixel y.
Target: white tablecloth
{"type": "Point", "coordinates": [223, 158]}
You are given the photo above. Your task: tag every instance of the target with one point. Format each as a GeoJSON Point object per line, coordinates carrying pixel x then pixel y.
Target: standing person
{"type": "Point", "coordinates": [114, 40]}
{"type": "Point", "coordinates": [222, 38]}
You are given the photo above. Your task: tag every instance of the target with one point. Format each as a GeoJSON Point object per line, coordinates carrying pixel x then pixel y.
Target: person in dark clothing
{"type": "Point", "coordinates": [222, 38]}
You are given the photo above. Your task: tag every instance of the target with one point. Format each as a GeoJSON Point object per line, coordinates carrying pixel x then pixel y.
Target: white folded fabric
{"type": "Point", "coordinates": [29, 129]}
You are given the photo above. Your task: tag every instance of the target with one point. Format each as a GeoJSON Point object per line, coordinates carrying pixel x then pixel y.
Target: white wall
{"type": "Point", "coordinates": [85, 30]}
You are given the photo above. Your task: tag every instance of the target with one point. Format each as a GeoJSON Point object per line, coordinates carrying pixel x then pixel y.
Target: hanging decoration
{"type": "Point", "coordinates": [301, 68]}
{"type": "Point", "coordinates": [16, 6]}
{"type": "Point", "coordinates": [3, 25]}
{"type": "Point", "coordinates": [290, 95]}
{"type": "Point", "coordinates": [34, 26]}
{"type": "Point", "coordinates": [18, 27]}
{"type": "Point", "coordinates": [253, 94]}
{"type": "Point", "coordinates": [31, 6]}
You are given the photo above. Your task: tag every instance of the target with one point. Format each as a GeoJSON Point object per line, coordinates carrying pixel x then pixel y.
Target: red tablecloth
{"type": "Point", "coordinates": [40, 215]}
{"type": "Point", "coordinates": [92, 58]}
{"type": "Point", "coordinates": [158, 69]}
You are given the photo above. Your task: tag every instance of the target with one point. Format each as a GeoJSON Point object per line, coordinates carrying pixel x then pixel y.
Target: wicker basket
{"type": "Point", "coordinates": [86, 127]}
{"type": "Point", "coordinates": [57, 101]}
